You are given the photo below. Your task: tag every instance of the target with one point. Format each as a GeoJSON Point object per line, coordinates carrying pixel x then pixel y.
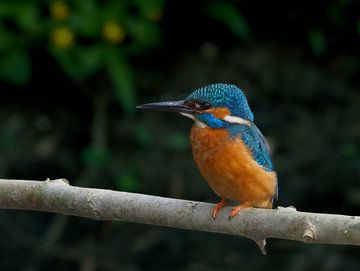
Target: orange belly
{"type": "Point", "coordinates": [229, 169]}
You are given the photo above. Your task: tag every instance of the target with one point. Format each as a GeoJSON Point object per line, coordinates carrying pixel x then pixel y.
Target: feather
{"type": "Point", "coordinates": [255, 141]}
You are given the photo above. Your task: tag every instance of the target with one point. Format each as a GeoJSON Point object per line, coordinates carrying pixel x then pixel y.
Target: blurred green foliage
{"type": "Point", "coordinates": [93, 37]}
{"type": "Point", "coordinates": [95, 156]}
{"type": "Point", "coordinates": [85, 38]}
{"type": "Point", "coordinates": [127, 181]}
{"type": "Point", "coordinates": [317, 41]}
{"type": "Point", "coordinates": [72, 71]}
{"type": "Point", "coordinates": [231, 17]}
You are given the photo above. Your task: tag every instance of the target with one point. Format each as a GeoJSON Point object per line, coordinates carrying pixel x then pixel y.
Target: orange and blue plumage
{"type": "Point", "coordinates": [230, 151]}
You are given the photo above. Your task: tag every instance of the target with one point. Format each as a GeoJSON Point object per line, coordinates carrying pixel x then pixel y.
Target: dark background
{"type": "Point", "coordinates": [71, 73]}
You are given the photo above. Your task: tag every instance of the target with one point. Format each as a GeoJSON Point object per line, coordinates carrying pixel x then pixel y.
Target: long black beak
{"type": "Point", "coordinates": [170, 106]}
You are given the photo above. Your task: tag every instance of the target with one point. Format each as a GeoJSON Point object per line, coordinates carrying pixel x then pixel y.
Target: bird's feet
{"type": "Point", "coordinates": [237, 209]}
{"type": "Point", "coordinates": [218, 207]}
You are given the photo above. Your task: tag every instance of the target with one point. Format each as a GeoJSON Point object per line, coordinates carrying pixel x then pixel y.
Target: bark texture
{"type": "Point", "coordinates": [58, 196]}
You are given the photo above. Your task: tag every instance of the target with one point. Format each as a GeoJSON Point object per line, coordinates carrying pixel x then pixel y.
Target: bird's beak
{"type": "Point", "coordinates": [170, 106]}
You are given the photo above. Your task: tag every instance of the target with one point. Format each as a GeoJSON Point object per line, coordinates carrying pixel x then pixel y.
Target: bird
{"type": "Point", "coordinates": [231, 153]}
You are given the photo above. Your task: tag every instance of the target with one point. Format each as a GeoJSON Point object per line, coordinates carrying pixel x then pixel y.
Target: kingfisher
{"type": "Point", "coordinates": [231, 153]}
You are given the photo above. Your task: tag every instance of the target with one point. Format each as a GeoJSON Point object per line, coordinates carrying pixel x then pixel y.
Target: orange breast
{"type": "Point", "coordinates": [229, 169]}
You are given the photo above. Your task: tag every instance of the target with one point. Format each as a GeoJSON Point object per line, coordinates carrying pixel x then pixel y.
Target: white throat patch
{"type": "Point", "coordinates": [198, 123]}
{"type": "Point", "coordinates": [238, 120]}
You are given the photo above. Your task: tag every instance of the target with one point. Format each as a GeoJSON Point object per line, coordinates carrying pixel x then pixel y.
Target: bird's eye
{"type": "Point", "coordinates": [199, 106]}
{"type": "Point", "coordinates": [205, 106]}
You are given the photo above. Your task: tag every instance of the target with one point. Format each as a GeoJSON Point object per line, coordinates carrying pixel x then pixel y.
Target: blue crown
{"type": "Point", "coordinates": [224, 95]}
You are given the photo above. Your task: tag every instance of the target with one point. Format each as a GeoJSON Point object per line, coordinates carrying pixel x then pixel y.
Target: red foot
{"type": "Point", "coordinates": [237, 209]}
{"type": "Point", "coordinates": [218, 207]}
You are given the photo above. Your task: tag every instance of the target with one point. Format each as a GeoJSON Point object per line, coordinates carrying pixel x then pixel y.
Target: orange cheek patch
{"type": "Point", "coordinates": [220, 112]}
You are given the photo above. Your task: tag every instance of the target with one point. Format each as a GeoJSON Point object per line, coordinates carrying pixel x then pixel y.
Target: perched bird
{"type": "Point", "coordinates": [230, 151]}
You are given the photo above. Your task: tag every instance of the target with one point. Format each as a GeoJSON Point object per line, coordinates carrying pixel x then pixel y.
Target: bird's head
{"type": "Point", "coordinates": [216, 106]}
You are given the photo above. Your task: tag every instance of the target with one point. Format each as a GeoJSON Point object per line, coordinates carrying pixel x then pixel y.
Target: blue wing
{"type": "Point", "coordinates": [255, 141]}
{"type": "Point", "coordinates": [257, 144]}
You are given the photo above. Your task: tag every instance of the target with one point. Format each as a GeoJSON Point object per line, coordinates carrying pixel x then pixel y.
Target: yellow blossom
{"type": "Point", "coordinates": [59, 10]}
{"type": "Point", "coordinates": [63, 37]}
{"type": "Point", "coordinates": [113, 32]}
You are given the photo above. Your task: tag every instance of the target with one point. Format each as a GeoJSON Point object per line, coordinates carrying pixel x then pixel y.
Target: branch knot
{"type": "Point", "coordinates": [309, 234]}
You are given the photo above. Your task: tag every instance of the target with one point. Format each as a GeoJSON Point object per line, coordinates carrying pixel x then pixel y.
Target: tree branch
{"type": "Point", "coordinates": [285, 223]}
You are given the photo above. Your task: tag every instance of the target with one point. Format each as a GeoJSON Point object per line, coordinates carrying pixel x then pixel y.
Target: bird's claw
{"type": "Point", "coordinates": [217, 208]}
{"type": "Point", "coordinates": [237, 209]}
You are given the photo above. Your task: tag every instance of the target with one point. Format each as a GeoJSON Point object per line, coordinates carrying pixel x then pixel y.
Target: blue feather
{"type": "Point", "coordinates": [224, 95]}
{"type": "Point", "coordinates": [211, 121]}
{"type": "Point", "coordinates": [255, 141]}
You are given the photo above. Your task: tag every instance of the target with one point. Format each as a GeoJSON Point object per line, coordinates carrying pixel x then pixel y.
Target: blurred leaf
{"type": "Point", "coordinates": [7, 40]}
{"type": "Point", "coordinates": [24, 15]}
{"type": "Point", "coordinates": [336, 11]}
{"type": "Point", "coordinates": [231, 17]}
{"type": "Point", "coordinates": [15, 67]}
{"type": "Point", "coordinates": [178, 141]}
{"type": "Point", "coordinates": [96, 156]}
{"type": "Point", "coordinates": [143, 135]}
{"type": "Point", "coordinates": [120, 74]}
{"type": "Point", "coordinates": [80, 62]}
{"type": "Point", "coordinates": [349, 150]}
{"type": "Point", "coordinates": [27, 17]}
{"type": "Point", "coordinates": [7, 141]}
{"type": "Point", "coordinates": [144, 32]}
{"type": "Point", "coordinates": [116, 11]}
{"type": "Point", "coordinates": [317, 41]}
{"type": "Point", "coordinates": [127, 182]}
{"type": "Point", "coordinates": [7, 9]}
{"type": "Point", "coordinates": [91, 59]}
{"type": "Point", "coordinates": [66, 63]}
{"type": "Point", "coordinates": [151, 10]}
{"type": "Point", "coordinates": [85, 18]}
